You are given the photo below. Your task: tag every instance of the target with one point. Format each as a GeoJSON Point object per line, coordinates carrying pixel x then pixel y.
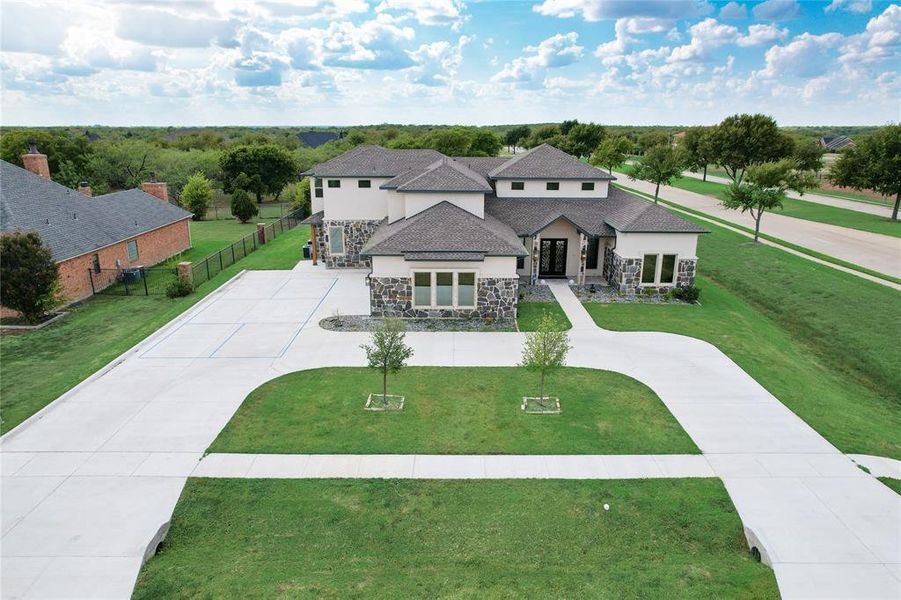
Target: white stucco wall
{"type": "Point", "coordinates": [316, 204]}
{"type": "Point", "coordinates": [471, 202]}
{"type": "Point", "coordinates": [636, 245]}
{"type": "Point", "coordinates": [351, 202]}
{"type": "Point", "coordinates": [396, 206]}
{"type": "Point", "coordinates": [396, 266]}
{"type": "Point", "coordinates": [537, 188]}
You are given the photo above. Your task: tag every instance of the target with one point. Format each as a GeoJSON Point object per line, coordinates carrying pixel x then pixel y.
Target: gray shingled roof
{"type": "Point", "coordinates": [446, 175]}
{"type": "Point", "coordinates": [444, 228]}
{"type": "Point", "coordinates": [72, 224]}
{"type": "Point", "coordinates": [314, 219]}
{"type": "Point", "coordinates": [546, 162]}
{"type": "Point", "coordinates": [374, 161]}
{"type": "Point", "coordinates": [314, 139]}
{"type": "Point", "coordinates": [482, 164]}
{"type": "Point", "coordinates": [620, 211]}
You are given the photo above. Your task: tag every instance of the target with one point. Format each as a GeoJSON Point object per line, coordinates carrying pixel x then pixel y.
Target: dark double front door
{"type": "Point", "coordinates": [553, 258]}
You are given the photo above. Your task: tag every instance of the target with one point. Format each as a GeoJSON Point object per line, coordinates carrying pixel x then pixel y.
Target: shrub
{"type": "Point", "coordinates": [179, 288]}
{"type": "Point", "coordinates": [689, 294]}
{"type": "Point", "coordinates": [242, 206]}
{"type": "Point", "coordinates": [29, 277]}
{"type": "Point", "coordinates": [197, 195]}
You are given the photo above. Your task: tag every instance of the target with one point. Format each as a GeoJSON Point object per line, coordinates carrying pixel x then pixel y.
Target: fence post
{"type": "Point", "coordinates": [186, 273]}
{"type": "Point", "coordinates": [144, 279]}
{"type": "Point", "coordinates": [261, 233]}
{"type": "Point", "coordinates": [244, 244]}
{"type": "Point", "coordinates": [233, 253]}
{"type": "Point", "coordinates": [220, 260]}
{"type": "Point", "coordinates": [207, 263]}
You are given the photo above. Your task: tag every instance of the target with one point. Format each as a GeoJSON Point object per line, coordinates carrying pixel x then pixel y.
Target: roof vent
{"type": "Point", "coordinates": [75, 216]}
{"type": "Point", "coordinates": [48, 221]}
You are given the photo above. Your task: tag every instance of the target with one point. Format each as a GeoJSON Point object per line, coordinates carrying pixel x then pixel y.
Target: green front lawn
{"type": "Point", "coordinates": [894, 484]}
{"type": "Point", "coordinates": [676, 538]}
{"type": "Point", "coordinates": [208, 237]}
{"type": "Point", "coordinates": [820, 340]}
{"type": "Point", "coordinates": [529, 315]}
{"type": "Point", "coordinates": [803, 209]}
{"type": "Point", "coordinates": [41, 365]}
{"type": "Point", "coordinates": [452, 410]}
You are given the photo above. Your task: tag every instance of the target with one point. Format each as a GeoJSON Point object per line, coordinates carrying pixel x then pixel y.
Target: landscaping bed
{"type": "Point", "coordinates": [606, 294]}
{"type": "Point", "coordinates": [675, 538]}
{"type": "Point", "coordinates": [452, 410]}
{"type": "Point", "coordinates": [818, 339]}
{"type": "Point", "coordinates": [367, 323]}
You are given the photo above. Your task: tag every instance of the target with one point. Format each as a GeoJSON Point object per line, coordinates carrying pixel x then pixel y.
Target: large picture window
{"type": "Point", "coordinates": [444, 289]}
{"type": "Point", "coordinates": [659, 269]}
{"type": "Point", "coordinates": [336, 240]}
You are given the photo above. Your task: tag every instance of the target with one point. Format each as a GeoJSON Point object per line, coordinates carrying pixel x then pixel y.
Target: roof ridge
{"type": "Point", "coordinates": [512, 161]}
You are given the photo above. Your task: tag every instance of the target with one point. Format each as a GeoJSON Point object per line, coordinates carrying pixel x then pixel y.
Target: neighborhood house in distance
{"type": "Point", "coordinates": [85, 233]}
{"type": "Point", "coordinates": [453, 236]}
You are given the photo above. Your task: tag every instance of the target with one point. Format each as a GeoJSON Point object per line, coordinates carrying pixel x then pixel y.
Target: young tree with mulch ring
{"type": "Point", "coordinates": [29, 277]}
{"type": "Point", "coordinates": [387, 352]}
{"type": "Point", "coordinates": [545, 350]}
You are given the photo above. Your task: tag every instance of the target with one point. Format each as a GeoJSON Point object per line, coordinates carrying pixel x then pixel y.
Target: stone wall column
{"type": "Point", "coordinates": [536, 257]}
{"type": "Point", "coordinates": [583, 258]}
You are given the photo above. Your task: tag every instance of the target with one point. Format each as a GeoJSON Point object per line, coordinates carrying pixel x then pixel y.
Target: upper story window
{"type": "Point", "coordinates": [553, 186]}
{"type": "Point", "coordinates": [587, 186]}
{"type": "Point", "coordinates": [334, 183]}
{"type": "Point", "coordinates": [132, 250]}
{"type": "Point", "coordinates": [517, 185]}
{"type": "Point", "coordinates": [364, 183]}
{"type": "Point", "coordinates": [317, 186]}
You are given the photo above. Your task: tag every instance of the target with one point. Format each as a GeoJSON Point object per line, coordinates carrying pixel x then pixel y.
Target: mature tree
{"type": "Point", "coordinates": [698, 149]}
{"type": "Point", "coordinates": [123, 164]}
{"type": "Point", "coordinates": [269, 167]}
{"type": "Point", "coordinates": [450, 141]}
{"type": "Point", "coordinates": [610, 153]}
{"type": "Point", "coordinates": [197, 195]}
{"type": "Point", "coordinates": [298, 194]}
{"type": "Point", "coordinates": [744, 140]}
{"type": "Point", "coordinates": [545, 349]}
{"type": "Point", "coordinates": [808, 155]}
{"type": "Point", "coordinates": [660, 165]}
{"type": "Point", "coordinates": [652, 138]}
{"type": "Point", "coordinates": [585, 137]}
{"type": "Point", "coordinates": [406, 141]}
{"type": "Point", "coordinates": [484, 142]}
{"type": "Point", "coordinates": [764, 188]}
{"type": "Point", "coordinates": [242, 206]}
{"type": "Point", "coordinates": [387, 352]}
{"type": "Point", "coordinates": [516, 136]}
{"type": "Point", "coordinates": [873, 164]}
{"type": "Point", "coordinates": [566, 126]}
{"type": "Point", "coordinates": [29, 278]}
{"type": "Point", "coordinates": [67, 154]}
{"type": "Point", "coordinates": [542, 135]}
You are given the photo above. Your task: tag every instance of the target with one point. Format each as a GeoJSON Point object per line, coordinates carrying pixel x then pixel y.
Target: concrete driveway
{"type": "Point", "coordinates": [90, 483]}
{"type": "Point", "coordinates": [874, 251]}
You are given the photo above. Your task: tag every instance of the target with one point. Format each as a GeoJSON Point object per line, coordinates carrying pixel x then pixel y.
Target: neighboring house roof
{"type": "Point", "coordinates": [835, 142]}
{"type": "Point", "coordinates": [374, 161]}
{"type": "Point", "coordinates": [603, 217]}
{"type": "Point", "coordinates": [314, 139]}
{"type": "Point", "coordinates": [446, 175]}
{"type": "Point", "coordinates": [441, 232]}
{"type": "Point", "coordinates": [72, 224]}
{"type": "Point", "coordinates": [546, 162]}
{"type": "Point", "coordinates": [92, 137]}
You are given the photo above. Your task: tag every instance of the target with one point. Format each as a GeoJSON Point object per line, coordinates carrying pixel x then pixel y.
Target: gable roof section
{"type": "Point", "coordinates": [72, 224]}
{"type": "Point", "coordinates": [546, 162]}
{"type": "Point", "coordinates": [374, 161]}
{"type": "Point", "coordinates": [835, 142]}
{"type": "Point", "coordinates": [443, 231]}
{"type": "Point", "coordinates": [482, 164]}
{"type": "Point", "coordinates": [603, 217]}
{"type": "Point", "coordinates": [446, 175]}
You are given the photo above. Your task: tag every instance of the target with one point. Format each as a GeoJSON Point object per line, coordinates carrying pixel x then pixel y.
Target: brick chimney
{"type": "Point", "coordinates": [85, 189]}
{"type": "Point", "coordinates": [156, 188]}
{"type": "Point", "coordinates": [36, 162]}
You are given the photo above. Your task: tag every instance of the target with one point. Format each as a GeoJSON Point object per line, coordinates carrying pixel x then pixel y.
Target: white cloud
{"type": "Point", "coordinates": [27, 28]}
{"type": "Point", "coordinates": [734, 10]}
{"type": "Point", "coordinates": [705, 35]}
{"type": "Point", "coordinates": [852, 6]}
{"type": "Point", "coordinates": [623, 28]}
{"type": "Point", "coordinates": [762, 34]}
{"type": "Point", "coordinates": [880, 41]}
{"type": "Point", "coordinates": [170, 29]}
{"type": "Point", "coordinates": [556, 51]}
{"type": "Point", "coordinates": [597, 10]}
{"type": "Point", "coordinates": [777, 10]}
{"type": "Point", "coordinates": [444, 13]}
{"type": "Point", "coordinates": [437, 63]}
{"type": "Point", "coordinates": [806, 56]}
{"type": "Point", "coordinates": [305, 10]}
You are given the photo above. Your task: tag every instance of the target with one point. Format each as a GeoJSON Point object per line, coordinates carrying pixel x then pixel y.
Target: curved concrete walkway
{"type": "Point", "coordinates": [881, 253]}
{"type": "Point", "coordinates": [880, 210]}
{"type": "Point", "coordinates": [89, 482]}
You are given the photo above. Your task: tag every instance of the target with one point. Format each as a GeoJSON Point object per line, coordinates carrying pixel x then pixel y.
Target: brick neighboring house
{"type": "Point", "coordinates": [114, 231]}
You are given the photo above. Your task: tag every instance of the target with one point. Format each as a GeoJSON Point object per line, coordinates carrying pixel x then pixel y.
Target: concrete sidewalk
{"type": "Point", "coordinates": [881, 253]}
{"type": "Point", "coordinates": [880, 210]}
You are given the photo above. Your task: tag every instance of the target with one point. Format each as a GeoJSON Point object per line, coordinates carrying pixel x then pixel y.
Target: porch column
{"type": "Point", "coordinates": [583, 258]}
{"type": "Point", "coordinates": [536, 256]}
{"type": "Point", "coordinates": [315, 244]}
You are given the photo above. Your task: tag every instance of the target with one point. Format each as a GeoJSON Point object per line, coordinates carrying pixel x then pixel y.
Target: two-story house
{"type": "Point", "coordinates": [453, 237]}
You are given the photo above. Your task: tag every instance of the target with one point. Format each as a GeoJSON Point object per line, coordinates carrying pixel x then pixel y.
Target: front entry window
{"type": "Point", "coordinates": [444, 289]}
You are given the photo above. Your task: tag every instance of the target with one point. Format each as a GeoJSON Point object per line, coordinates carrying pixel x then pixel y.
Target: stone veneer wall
{"type": "Point", "coordinates": [393, 297]}
{"type": "Point", "coordinates": [356, 233]}
{"type": "Point", "coordinates": [625, 273]}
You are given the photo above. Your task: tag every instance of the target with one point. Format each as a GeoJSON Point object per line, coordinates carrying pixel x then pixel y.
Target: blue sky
{"type": "Point", "coordinates": [320, 62]}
